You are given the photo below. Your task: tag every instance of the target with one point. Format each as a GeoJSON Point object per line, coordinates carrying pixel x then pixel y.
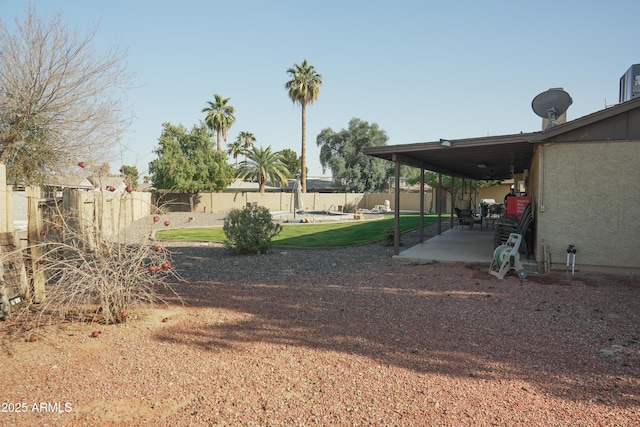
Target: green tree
{"type": "Point", "coordinates": [59, 98]}
{"type": "Point", "coordinates": [130, 174]}
{"type": "Point", "coordinates": [187, 162]}
{"type": "Point", "coordinates": [303, 88]}
{"type": "Point", "coordinates": [263, 165]}
{"type": "Point", "coordinates": [342, 153]}
{"type": "Point", "coordinates": [220, 117]}
{"type": "Point", "coordinates": [291, 161]}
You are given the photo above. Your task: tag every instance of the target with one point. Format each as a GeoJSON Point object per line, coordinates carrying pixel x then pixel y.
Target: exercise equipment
{"type": "Point", "coordinates": [507, 257]}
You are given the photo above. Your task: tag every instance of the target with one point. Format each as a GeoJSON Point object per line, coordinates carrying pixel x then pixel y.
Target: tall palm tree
{"type": "Point", "coordinates": [220, 117]}
{"type": "Point", "coordinates": [303, 88]}
{"type": "Point", "coordinates": [247, 139]}
{"type": "Point", "coordinates": [234, 149]}
{"type": "Point", "coordinates": [263, 165]}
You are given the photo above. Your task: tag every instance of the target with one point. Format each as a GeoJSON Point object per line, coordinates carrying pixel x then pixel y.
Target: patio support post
{"type": "Point", "coordinates": [473, 188]}
{"type": "Point", "coordinates": [396, 223]}
{"type": "Point", "coordinates": [439, 204]}
{"type": "Point", "coordinates": [464, 189]}
{"type": "Point", "coordinates": [453, 200]}
{"type": "Point", "coordinates": [475, 198]}
{"type": "Point", "coordinates": [421, 222]}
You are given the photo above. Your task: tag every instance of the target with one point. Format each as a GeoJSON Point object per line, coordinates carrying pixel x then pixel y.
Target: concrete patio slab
{"type": "Point", "coordinates": [462, 245]}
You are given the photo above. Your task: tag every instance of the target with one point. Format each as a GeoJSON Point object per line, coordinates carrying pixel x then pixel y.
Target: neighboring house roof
{"type": "Point", "coordinates": [87, 183]}
{"type": "Point", "coordinates": [69, 181]}
{"type": "Point", "coordinates": [416, 188]}
{"type": "Point", "coordinates": [500, 157]}
{"type": "Point", "coordinates": [104, 182]}
{"type": "Point", "coordinates": [320, 185]}
{"type": "Point", "coordinates": [144, 186]}
{"type": "Point", "coordinates": [240, 185]}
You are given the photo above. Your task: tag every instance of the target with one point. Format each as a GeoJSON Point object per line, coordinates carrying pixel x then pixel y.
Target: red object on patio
{"type": "Point", "coordinates": [516, 205]}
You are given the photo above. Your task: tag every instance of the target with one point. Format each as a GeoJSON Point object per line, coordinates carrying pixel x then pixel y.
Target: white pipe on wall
{"type": "Point", "coordinates": [541, 181]}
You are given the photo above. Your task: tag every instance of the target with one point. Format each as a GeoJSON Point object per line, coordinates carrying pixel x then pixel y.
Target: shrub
{"type": "Point", "coordinates": [388, 235]}
{"type": "Point", "coordinates": [249, 230]}
{"type": "Point", "coordinates": [103, 280]}
{"type": "Point", "coordinates": [349, 208]}
{"type": "Point", "coordinates": [87, 276]}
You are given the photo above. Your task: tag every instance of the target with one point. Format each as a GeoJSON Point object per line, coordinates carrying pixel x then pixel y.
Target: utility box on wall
{"type": "Point", "coordinates": [630, 84]}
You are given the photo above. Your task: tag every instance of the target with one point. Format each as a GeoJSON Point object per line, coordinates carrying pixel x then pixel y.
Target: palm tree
{"type": "Point", "coordinates": [263, 165]}
{"type": "Point", "coordinates": [220, 117]}
{"type": "Point", "coordinates": [303, 88]}
{"type": "Point", "coordinates": [235, 149]}
{"type": "Point", "coordinates": [247, 139]}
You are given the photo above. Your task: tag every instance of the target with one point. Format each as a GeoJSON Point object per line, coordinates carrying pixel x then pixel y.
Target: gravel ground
{"type": "Point", "coordinates": [342, 337]}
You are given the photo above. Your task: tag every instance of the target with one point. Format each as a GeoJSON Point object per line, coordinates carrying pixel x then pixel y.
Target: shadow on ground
{"type": "Point", "coordinates": [575, 338]}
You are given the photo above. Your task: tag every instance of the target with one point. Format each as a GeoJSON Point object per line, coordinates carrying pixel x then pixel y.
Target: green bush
{"type": "Point", "coordinates": [349, 208]}
{"type": "Point", "coordinates": [250, 230]}
{"type": "Point", "coordinates": [388, 235]}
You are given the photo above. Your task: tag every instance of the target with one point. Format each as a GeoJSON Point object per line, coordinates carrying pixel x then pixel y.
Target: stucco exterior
{"type": "Point", "coordinates": [585, 194]}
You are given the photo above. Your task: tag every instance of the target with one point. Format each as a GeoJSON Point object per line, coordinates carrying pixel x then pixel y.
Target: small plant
{"type": "Point", "coordinates": [349, 208]}
{"type": "Point", "coordinates": [250, 230]}
{"type": "Point", "coordinates": [388, 235]}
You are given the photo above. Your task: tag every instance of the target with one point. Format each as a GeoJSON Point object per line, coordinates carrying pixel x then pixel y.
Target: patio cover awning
{"type": "Point", "coordinates": [486, 158]}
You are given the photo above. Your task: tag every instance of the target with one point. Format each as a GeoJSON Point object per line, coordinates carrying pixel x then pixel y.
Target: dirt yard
{"type": "Point", "coordinates": [340, 337]}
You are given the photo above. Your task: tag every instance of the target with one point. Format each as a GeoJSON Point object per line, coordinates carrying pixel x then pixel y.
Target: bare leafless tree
{"type": "Point", "coordinates": [60, 100]}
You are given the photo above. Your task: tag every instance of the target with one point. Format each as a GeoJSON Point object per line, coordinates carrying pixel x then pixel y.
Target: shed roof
{"type": "Point", "coordinates": [500, 157]}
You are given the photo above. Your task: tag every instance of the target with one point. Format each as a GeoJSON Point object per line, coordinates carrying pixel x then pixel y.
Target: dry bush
{"type": "Point", "coordinates": [92, 278]}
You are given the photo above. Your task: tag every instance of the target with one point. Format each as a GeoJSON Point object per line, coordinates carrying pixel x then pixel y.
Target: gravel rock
{"type": "Point", "coordinates": [341, 337]}
{"type": "Point", "coordinates": [211, 261]}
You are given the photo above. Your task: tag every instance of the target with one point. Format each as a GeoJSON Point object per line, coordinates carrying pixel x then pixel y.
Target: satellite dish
{"type": "Point", "coordinates": [551, 104]}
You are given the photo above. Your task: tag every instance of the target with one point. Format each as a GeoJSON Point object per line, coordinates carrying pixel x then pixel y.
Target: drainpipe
{"type": "Point", "coordinates": [541, 205]}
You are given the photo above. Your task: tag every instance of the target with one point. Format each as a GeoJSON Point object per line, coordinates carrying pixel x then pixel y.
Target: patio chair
{"type": "Point", "coordinates": [512, 225]}
{"type": "Point", "coordinates": [464, 218]}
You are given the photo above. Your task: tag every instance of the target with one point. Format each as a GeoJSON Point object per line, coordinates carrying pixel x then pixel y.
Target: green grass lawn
{"type": "Point", "coordinates": [310, 235]}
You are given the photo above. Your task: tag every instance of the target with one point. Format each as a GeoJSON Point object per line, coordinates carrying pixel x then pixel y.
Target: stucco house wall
{"type": "Point", "coordinates": [585, 194]}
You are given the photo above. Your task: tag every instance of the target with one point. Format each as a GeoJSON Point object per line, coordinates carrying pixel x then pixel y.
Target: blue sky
{"type": "Point", "coordinates": [421, 70]}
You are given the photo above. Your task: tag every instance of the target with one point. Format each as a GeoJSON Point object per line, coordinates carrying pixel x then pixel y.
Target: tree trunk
{"type": "Point", "coordinates": [219, 139]}
{"type": "Point", "coordinates": [303, 154]}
